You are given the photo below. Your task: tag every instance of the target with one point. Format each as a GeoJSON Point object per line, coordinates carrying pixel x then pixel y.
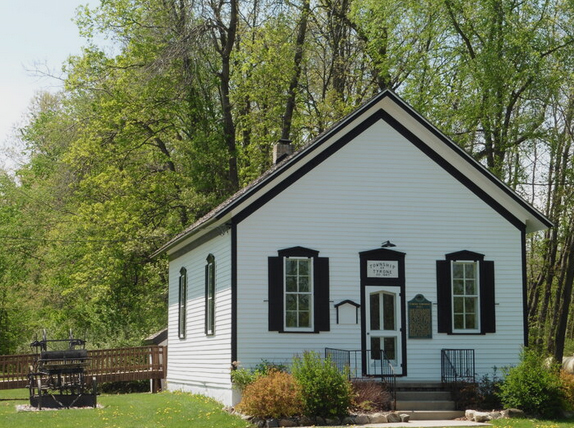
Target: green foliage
{"type": "Point", "coordinates": [242, 377]}
{"type": "Point", "coordinates": [274, 395]}
{"type": "Point", "coordinates": [320, 389]}
{"type": "Point", "coordinates": [567, 380]}
{"type": "Point", "coordinates": [532, 423]}
{"type": "Point", "coordinates": [370, 396]}
{"type": "Point", "coordinates": [139, 143]}
{"type": "Point", "coordinates": [326, 390]}
{"type": "Point", "coordinates": [265, 367]}
{"type": "Point", "coordinates": [482, 395]}
{"type": "Point", "coordinates": [534, 387]}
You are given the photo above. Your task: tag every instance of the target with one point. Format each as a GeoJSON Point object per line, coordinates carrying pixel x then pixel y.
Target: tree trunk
{"type": "Point", "coordinates": [292, 93]}
{"type": "Point", "coordinates": [566, 299]}
{"type": "Point", "coordinates": [225, 42]}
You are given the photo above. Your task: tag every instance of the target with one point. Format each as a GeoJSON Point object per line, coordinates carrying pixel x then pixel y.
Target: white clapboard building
{"type": "Point", "coordinates": [380, 240]}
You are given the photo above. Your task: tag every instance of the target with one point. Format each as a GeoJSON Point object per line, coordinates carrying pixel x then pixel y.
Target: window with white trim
{"type": "Point", "coordinates": [210, 295]}
{"type": "Point", "coordinates": [182, 303]}
{"type": "Point", "coordinates": [298, 293]}
{"type": "Point", "coordinates": [465, 296]}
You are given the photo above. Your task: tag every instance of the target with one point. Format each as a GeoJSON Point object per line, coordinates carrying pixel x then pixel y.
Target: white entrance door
{"type": "Point", "coordinates": [383, 329]}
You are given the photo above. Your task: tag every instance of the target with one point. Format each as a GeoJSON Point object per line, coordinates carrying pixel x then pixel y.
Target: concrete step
{"type": "Point", "coordinates": [426, 405]}
{"type": "Point", "coordinates": [425, 400]}
{"type": "Point", "coordinates": [423, 395]}
{"type": "Point", "coordinates": [419, 386]}
{"type": "Point", "coordinates": [433, 415]}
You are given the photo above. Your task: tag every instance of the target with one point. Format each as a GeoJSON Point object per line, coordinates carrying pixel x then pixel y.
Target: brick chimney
{"type": "Point", "coordinates": [281, 150]}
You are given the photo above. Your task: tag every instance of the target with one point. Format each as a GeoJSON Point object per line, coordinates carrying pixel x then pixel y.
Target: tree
{"type": "Point", "coordinates": [149, 136]}
{"type": "Point", "coordinates": [550, 288]}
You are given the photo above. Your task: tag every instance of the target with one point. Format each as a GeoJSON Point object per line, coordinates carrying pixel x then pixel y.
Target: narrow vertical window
{"type": "Point", "coordinates": [298, 293]}
{"type": "Point", "coordinates": [182, 303]}
{"type": "Point", "coordinates": [465, 296]}
{"type": "Point", "coordinates": [210, 295]}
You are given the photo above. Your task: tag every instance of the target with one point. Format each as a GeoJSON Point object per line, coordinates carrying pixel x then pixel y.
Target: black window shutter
{"type": "Point", "coordinates": [443, 296]}
{"type": "Point", "coordinates": [275, 268]}
{"type": "Point", "coordinates": [322, 313]}
{"type": "Point", "coordinates": [487, 299]}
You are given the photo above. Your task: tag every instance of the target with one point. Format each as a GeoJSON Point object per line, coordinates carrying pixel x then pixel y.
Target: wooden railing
{"type": "Point", "coordinates": [106, 365]}
{"type": "Point", "coordinates": [14, 370]}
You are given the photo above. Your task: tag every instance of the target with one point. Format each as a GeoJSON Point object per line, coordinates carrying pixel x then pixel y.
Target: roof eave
{"type": "Point", "coordinates": [202, 225]}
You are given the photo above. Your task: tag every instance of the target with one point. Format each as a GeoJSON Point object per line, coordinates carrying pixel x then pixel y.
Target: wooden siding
{"type": "Point", "coordinates": [378, 187]}
{"type": "Point", "coordinates": [201, 363]}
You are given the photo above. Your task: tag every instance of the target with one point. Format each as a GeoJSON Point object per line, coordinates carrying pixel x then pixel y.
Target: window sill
{"type": "Point", "coordinates": [300, 331]}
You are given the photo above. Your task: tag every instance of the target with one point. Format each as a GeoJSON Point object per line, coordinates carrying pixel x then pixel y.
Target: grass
{"type": "Point", "coordinates": [170, 410]}
{"type": "Point", "coordinates": [532, 423]}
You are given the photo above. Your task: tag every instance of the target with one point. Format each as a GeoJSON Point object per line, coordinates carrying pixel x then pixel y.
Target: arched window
{"type": "Point", "coordinates": [210, 295]}
{"type": "Point", "coordinates": [182, 303]}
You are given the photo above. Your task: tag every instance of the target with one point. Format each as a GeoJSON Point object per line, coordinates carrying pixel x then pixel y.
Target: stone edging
{"type": "Point", "coordinates": [372, 418]}
{"type": "Point", "coordinates": [303, 421]}
{"type": "Point", "coordinates": [476, 416]}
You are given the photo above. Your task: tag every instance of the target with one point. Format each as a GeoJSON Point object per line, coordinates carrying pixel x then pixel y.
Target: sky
{"type": "Point", "coordinates": [34, 34]}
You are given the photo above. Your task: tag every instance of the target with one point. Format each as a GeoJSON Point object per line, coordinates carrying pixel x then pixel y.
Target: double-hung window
{"type": "Point", "coordinates": [298, 291]}
{"type": "Point", "coordinates": [465, 294]}
{"type": "Point", "coordinates": [465, 297]}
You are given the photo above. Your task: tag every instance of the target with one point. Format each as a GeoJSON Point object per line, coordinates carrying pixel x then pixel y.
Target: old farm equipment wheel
{"type": "Point", "coordinates": [58, 376]}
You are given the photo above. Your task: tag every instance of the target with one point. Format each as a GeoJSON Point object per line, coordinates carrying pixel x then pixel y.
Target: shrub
{"type": "Point", "coordinates": [533, 387]}
{"type": "Point", "coordinates": [326, 390]}
{"type": "Point", "coordinates": [241, 378]}
{"type": "Point", "coordinates": [370, 396]}
{"type": "Point", "coordinates": [567, 380]}
{"type": "Point", "coordinates": [481, 395]}
{"type": "Point", "coordinates": [274, 395]}
{"type": "Point", "coordinates": [265, 367]}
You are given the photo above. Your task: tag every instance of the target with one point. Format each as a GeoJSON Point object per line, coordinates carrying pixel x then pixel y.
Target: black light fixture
{"type": "Point", "coordinates": [387, 244]}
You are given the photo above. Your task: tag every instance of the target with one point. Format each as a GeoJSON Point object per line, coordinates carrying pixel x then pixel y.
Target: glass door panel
{"type": "Point", "coordinates": [383, 328]}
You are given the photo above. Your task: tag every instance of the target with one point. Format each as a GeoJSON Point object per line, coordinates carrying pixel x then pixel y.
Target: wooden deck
{"type": "Point", "coordinates": [106, 365]}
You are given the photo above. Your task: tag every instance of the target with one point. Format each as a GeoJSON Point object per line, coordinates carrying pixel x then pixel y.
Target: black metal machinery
{"type": "Point", "coordinates": [58, 377]}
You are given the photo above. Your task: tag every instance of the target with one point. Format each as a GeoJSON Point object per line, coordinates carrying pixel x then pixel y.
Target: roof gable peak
{"type": "Point", "coordinates": [389, 107]}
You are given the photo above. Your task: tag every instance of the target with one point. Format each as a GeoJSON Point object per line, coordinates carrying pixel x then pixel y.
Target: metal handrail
{"type": "Point", "coordinates": [353, 362]}
{"type": "Point", "coordinates": [447, 370]}
{"type": "Point", "coordinates": [391, 382]}
{"type": "Point", "coordinates": [457, 365]}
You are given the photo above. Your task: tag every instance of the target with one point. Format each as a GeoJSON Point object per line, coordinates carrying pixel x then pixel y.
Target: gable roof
{"type": "Point", "coordinates": [386, 106]}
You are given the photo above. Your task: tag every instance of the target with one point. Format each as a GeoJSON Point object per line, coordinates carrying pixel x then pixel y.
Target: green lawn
{"type": "Point", "coordinates": [170, 410]}
{"type": "Point", "coordinates": [532, 423]}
